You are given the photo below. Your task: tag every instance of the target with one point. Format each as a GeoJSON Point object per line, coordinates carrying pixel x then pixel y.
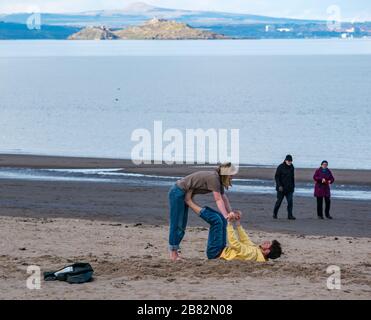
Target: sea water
{"type": "Point", "coordinates": [310, 98]}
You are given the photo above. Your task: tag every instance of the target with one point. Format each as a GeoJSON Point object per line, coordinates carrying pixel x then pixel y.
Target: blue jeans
{"type": "Point", "coordinates": [217, 240]}
{"type": "Point", "coordinates": [178, 216]}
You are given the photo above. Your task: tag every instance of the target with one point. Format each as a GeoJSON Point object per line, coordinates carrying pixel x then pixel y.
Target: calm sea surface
{"type": "Point", "coordinates": [310, 98]}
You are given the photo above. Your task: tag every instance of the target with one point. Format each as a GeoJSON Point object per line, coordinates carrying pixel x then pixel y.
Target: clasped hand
{"type": "Point", "coordinates": [234, 215]}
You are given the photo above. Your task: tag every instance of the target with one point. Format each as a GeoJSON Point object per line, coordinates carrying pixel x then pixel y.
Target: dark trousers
{"type": "Point", "coordinates": [217, 240]}
{"type": "Point", "coordinates": [320, 206]}
{"type": "Point", "coordinates": [290, 203]}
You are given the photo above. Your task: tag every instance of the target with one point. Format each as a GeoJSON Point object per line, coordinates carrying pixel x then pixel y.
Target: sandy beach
{"type": "Point", "coordinates": [122, 231]}
{"type": "Point", "coordinates": [131, 262]}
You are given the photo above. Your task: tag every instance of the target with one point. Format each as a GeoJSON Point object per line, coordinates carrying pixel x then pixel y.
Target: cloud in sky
{"type": "Point", "coordinates": [359, 10]}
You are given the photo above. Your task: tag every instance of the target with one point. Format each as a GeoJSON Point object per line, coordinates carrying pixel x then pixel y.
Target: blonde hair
{"type": "Point", "coordinates": [225, 171]}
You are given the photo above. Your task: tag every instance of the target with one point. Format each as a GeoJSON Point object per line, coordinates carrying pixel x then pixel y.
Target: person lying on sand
{"type": "Point", "coordinates": [200, 182]}
{"type": "Point", "coordinates": [241, 248]}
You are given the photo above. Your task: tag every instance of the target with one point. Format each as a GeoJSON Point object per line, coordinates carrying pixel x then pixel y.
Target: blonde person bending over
{"type": "Point", "coordinates": [239, 246]}
{"type": "Point", "coordinates": [212, 182]}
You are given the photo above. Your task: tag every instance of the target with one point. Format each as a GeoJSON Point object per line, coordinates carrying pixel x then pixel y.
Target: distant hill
{"type": "Point", "coordinates": [17, 31]}
{"type": "Point", "coordinates": [140, 12]}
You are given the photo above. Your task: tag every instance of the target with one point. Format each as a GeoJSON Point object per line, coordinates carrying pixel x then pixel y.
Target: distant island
{"type": "Point", "coordinates": [154, 29]}
{"type": "Point", "coordinates": [143, 21]}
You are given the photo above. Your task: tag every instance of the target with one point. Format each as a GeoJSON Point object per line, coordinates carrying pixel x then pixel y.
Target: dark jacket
{"type": "Point", "coordinates": [323, 189]}
{"type": "Point", "coordinates": [285, 178]}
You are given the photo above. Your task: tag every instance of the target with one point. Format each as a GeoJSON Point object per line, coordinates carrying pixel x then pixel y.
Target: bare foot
{"type": "Point", "coordinates": [179, 258]}
{"type": "Point", "coordinates": [174, 255]}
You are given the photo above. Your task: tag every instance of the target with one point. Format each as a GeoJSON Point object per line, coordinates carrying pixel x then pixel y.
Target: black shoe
{"type": "Point", "coordinates": [328, 217]}
{"type": "Point", "coordinates": [291, 218]}
{"type": "Point", "coordinates": [274, 216]}
{"type": "Point", "coordinates": [320, 217]}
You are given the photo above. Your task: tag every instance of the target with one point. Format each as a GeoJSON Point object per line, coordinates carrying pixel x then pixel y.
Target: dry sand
{"type": "Point", "coordinates": [149, 205]}
{"type": "Point", "coordinates": [131, 262]}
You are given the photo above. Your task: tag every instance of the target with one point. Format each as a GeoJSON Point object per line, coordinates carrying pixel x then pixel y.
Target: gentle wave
{"type": "Point", "coordinates": [118, 175]}
{"type": "Point", "coordinates": [111, 172]}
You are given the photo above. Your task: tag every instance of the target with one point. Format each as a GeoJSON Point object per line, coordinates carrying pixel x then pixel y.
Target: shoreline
{"type": "Point", "coordinates": [360, 177]}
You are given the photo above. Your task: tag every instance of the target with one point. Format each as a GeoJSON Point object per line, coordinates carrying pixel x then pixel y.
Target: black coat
{"type": "Point", "coordinates": [285, 177]}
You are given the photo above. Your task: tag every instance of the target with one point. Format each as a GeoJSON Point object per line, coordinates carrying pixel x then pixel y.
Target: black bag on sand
{"type": "Point", "coordinates": [74, 273]}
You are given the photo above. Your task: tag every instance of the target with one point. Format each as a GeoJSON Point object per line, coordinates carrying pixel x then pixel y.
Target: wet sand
{"type": "Point", "coordinates": [148, 204]}
{"type": "Point", "coordinates": [131, 262]}
{"type": "Point", "coordinates": [343, 176]}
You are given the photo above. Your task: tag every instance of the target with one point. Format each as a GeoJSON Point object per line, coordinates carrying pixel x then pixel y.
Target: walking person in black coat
{"type": "Point", "coordinates": [285, 186]}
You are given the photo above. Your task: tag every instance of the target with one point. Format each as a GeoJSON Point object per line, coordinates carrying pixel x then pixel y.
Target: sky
{"type": "Point", "coordinates": [349, 10]}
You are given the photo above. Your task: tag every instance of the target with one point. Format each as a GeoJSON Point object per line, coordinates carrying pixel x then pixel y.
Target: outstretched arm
{"type": "Point", "coordinates": [233, 242]}
{"type": "Point", "coordinates": [226, 203]}
{"type": "Point", "coordinates": [244, 238]}
{"type": "Point", "coordinates": [220, 204]}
